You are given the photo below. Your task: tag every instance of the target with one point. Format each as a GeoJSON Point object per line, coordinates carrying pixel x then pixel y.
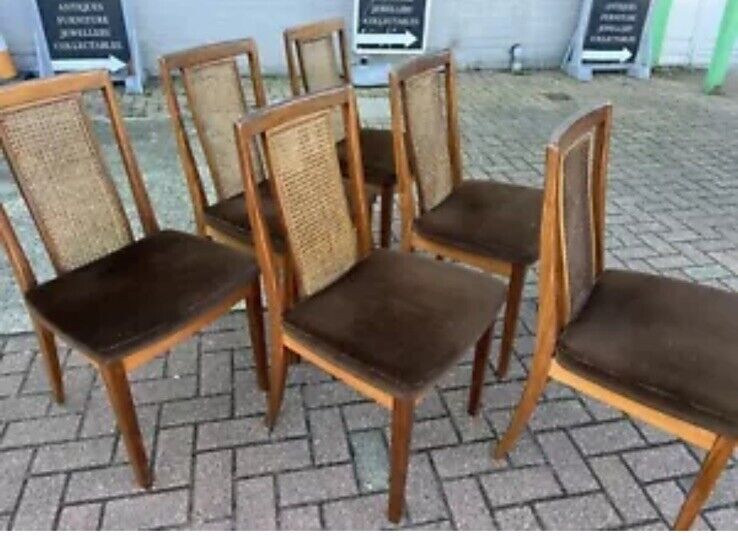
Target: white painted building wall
{"type": "Point", "coordinates": [480, 31]}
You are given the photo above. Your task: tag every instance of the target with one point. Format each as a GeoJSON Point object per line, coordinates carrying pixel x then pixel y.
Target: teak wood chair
{"type": "Point", "coordinates": [120, 301]}
{"type": "Point", "coordinates": [318, 59]}
{"type": "Point", "coordinates": [386, 323]}
{"type": "Point", "coordinates": [656, 348]}
{"type": "Point", "coordinates": [490, 225]}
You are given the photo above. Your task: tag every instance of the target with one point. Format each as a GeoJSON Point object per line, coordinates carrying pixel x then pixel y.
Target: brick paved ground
{"type": "Point", "coordinates": [673, 202]}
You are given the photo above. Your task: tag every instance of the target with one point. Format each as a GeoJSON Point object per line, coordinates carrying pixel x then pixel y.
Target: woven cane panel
{"type": "Point", "coordinates": [320, 71]}
{"type": "Point", "coordinates": [63, 178]}
{"type": "Point", "coordinates": [578, 223]}
{"type": "Point", "coordinates": [310, 189]}
{"type": "Point", "coordinates": [428, 128]}
{"type": "Point", "coordinates": [217, 102]}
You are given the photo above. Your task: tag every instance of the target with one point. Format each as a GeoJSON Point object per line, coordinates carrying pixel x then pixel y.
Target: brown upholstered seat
{"type": "Point", "coordinates": [229, 217]}
{"type": "Point", "coordinates": [666, 343]}
{"type": "Point", "coordinates": [377, 155]}
{"type": "Point", "coordinates": [98, 306]}
{"type": "Point", "coordinates": [488, 218]}
{"type": "Point", "coordinates": [398, 320]}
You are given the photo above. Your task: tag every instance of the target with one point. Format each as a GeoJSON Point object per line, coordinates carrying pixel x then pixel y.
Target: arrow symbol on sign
{"type": "Point", "coordinates": [405, 39]}
{"type": "Point", "coordinates": [111, 63]}
{"type": "Point", "coordinates": [621, 55]}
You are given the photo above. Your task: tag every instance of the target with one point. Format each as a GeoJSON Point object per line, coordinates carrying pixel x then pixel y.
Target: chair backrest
{"type": "Point", "coordinates": [573, 222]}
{"type": "Point", "coordinates": [216, 100]}
{"type": "Point", "coordinates": [56, 160]}
{"type": "Point", "coordinates": [425, 127]}
{"type": "Point", "coordinates": [317, 56]}
{"type": "Point", "coordinates": [324, 240]}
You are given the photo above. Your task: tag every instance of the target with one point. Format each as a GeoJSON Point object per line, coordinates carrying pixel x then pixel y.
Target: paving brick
{"type": "Point", "coordinates": [367, 512]}
{"type": "Point", "coordinates": [215, 373]}
{"type": "Point", "coordinates": [14, 464]}
{"type": "Point", "coordinates": [567, 463]}
{"type": "Point", "coordinates": [558, 414]}
{"type": "Point", "coordinates": [573, 513]}
{"type": "Point", "coordinates": [661, 462]}
{"type": "Point", "coordinates": [300, 518]}
{"type": "Point", "coordinates": [23, 407]}
{"type": "Point", "coordinates": [213, 486]}
{"type": "Point", "coordinates": [40, 431]}
{"type": "Point", "coordinates": [174, 457]}
{"type": "Point", "coordinates": [467, 505]}
{"type": "Point", "coordinates": [272, 458]}
{"type": "Point", "coordinates": [230, 433]}
{"type": "Point", "coordinates": [623, 490]}
{"type": "Point", "coordinates": [96, 484]}
{"type": "Point", "coordinates": [724, 519]}
{"type": "Point", "coordinates": [74, 455]}
{"type": "Point", "coordinates": [292, 421]}
{"type": "Point", "coordinates": [371, 460]}
{"type": "Point", "coordinates": [668, 498]}
{"type": "Point", "coordinates": [80, 517]}
{"type": "Point", "coordinates": [255, 504]}
{"type": "Point", "coordinates": [9, 384]}
{"type": "Point", "coordinates": [196, 410]}
{"type": "Point", "coordinates": [311, 485]}
{"type": "Point", "coordinates": [150, 511]}
{"type": "Point", "coordinates": [519, 485]}
{"type": "Point", "coordinates": [423, 495]}
{"type": "Point", "coordinates": [163, 390]}
{"type": "Point", "coordinates": [328, 437]}
{"type": "Point", "coordinates": [463, 460]}
{"type": "Point", "coordinates": [39, 503]}
{"type": "Point", "coordinates": [433, 433]}
{"type": "Point", "coordinates": [607, 437]}
{"type": "Point", "coordinates": [365, 415]}
{"type": "Point", "coordinates": [469, 428]}
{"type": "Point", "coordinates": [517, 518]}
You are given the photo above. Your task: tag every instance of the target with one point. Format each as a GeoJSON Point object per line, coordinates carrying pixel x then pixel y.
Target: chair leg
{"type": "Point", "coordinates": [255, 314]}
{"type": "Point", "coordinates": [537, 380]}
{"type": "Point", "coordinates": [279, 365]}
{"type": "Point", "coordinates": [119, 392]}
{"type": "Point", "coordinates": [402, 425]}
{"type": "Point", "coordinates": [712, 467]}
{"type": "Point", "coordinates": [388, 195]}
{"type": "Point", "coordinates": [514, 295]}
{"type": "Point", "coordinates": [480, 366]}
{"type": "Point", "coordinates": [51, 361]}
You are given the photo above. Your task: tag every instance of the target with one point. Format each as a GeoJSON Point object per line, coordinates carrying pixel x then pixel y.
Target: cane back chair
{"type": "Point", "coordinates": [386, 323]}
{"type": "Point", "coordinates": [656, 348]}
{"type": "Point", "coordinates": [313, 65]}
{"type": "Point", "coordinates": [120, 301]}
{"type": "Point", "coordinates": [489, 225]}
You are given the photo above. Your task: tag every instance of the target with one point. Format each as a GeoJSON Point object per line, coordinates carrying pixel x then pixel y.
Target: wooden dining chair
{"type": "Point", "coordinates": [118, 300]}
{"type": "Point", "coordinates": [386, 323]}
{"type": "Point", "coordinates": [492, 226]}
{"type": "Point", "coordinates": [318, 59]}
{"type": "Point", "coordinates": [659, 349]}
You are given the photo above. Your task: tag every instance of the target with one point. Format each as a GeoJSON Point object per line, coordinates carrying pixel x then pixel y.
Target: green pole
{"type": "Point", "coordinates": [658, 28]}
{"type": "Point", "coordinates": [723, 47]}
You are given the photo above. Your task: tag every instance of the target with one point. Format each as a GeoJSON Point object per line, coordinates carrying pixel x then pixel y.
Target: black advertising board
{"type": "Point", "coordinates": [391, 26]}
{"type": "Point", "coordinates": [84, 30]}
{"type": "Point", "coordinates": [612, 35]}
{"type": "Point", "coordinates": [614, 30]}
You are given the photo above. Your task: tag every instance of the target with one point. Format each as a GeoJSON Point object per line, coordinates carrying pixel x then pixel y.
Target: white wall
{"type": "Point", "coordinates": [480, 31]}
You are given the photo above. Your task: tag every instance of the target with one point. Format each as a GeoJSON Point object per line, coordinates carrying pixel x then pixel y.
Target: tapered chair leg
{"type": "Point", "coordinates": [537, 380]}
{"type": "Point", "coordinates": [119, 393]}
{"type": "Point", "coordinates": [51, 361]}
{"type": "Point", "coordinates": [388, 194]}
{"type": "Point", "coordinates": [255, 314]}
{"type": "Point", "coordinates": [712, 467]}
{"type": "Point", "coordinates": [480, 366]}
{"type": "Point", "coordinates": [402, 425]}
{"type": "Point", "coordinates": [279, 364]}
{"type": "Point", "coordinates": [514, 297]}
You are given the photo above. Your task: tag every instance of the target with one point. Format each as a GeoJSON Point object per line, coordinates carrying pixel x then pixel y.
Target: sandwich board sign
{"type": "Point", "coordinates": [390, 26]}
{"type": "Point", "coordinates": [79, 35]}
{"type": "Point", "coordinates": [612, 35]}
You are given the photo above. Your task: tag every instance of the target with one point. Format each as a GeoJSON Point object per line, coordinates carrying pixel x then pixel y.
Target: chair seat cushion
{"type": "Point", "coordinates": [670, 344]}
{"type": "Point", "coordinates": [229, 216]}
{"type": "Point", "coordinates": [140, 293]}
{"type": "Point", "coordinates": [377, 153]}
{"type": "Point", "coordinates": [497, 220]}
{"type": "Point", "coordinates": [398, 320]}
